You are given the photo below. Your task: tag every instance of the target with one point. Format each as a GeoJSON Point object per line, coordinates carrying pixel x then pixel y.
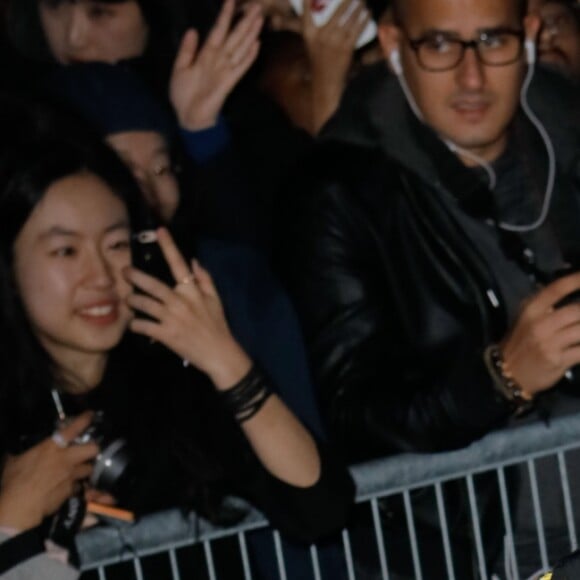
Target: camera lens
{"type": "Point", "coordinates": [110, 466]}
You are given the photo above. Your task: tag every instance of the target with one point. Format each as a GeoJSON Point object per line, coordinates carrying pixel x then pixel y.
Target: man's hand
{"type": "Point", "coordinates": [545, 341]}
{"type": "Point", "coordinates": [36, 483]}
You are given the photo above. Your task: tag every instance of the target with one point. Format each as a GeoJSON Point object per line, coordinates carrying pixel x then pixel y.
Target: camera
{"type": "Point", "coordinates": [113, 470]}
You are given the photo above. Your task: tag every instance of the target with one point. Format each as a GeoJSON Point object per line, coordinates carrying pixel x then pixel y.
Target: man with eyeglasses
{"type": "Point", "coordinates": [559, 39]}
{"type": "Point", "coordinates": [431, 264]}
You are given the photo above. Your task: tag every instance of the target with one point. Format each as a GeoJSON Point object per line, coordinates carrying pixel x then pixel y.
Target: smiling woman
{"type": "Point", "coordinates": [76, 247]}
{"type": "Point", "coordinates": [67, 293]}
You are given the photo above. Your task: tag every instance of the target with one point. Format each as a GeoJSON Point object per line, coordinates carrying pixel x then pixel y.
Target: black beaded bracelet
{"type": "Point", "coordinates": [248, 396]}
{"type": "Point", "coordinates": [503, 382]}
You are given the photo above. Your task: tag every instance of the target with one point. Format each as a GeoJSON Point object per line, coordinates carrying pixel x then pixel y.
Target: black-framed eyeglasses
{"type": "Point", "coordinates": [438, 52]}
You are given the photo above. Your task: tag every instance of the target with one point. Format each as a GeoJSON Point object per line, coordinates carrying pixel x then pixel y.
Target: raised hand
{"type": "Point", "coordinates": [188, 318]}
{"type": "Point", "coordinates": [203, 77]}
{"type": "Point", "coordinates": [36, 483]}
{"type": "Point", "coordinates": [545, 341]}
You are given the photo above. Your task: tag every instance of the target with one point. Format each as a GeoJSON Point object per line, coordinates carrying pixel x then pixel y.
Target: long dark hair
{"type": "Point", "coordinates": [28, 166]}
{"type": "Point", "coordinates": [172, 415]}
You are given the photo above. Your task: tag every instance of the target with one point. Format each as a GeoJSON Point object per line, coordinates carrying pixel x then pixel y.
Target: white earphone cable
{"type": "Point", "coordinates": [398, 69]}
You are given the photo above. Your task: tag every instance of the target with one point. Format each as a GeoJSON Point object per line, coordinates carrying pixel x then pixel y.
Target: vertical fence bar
{"type": "Point", "coordinates": [175, 574]}
{"type": "Point", "coordinates": [412, 536]}
{"type": "Point", "coordinates": [538, 513]}
{"type": "Point", "coordinates": [279, 555]}
{"type": "Point", "coordinates": [380, 539]}
{"type": "Point", "coordinates": [415, 542]}
{"type": "Point", "coordinates": [245, 557]}
{"type": "Point", "coordinates": [348, 555]}
{"type": "Point", "coordinates": [567, 501]}
{"type": "Point", "coordinates": [444, 531]}
{"type": "Point", "coordinates": [476, 527]}
{"type": "Point", "coordinates": [315, 562]}
{"type": "Point", "coordinates": [137, 568]}
{"type": "Point", "coordinates": [209, 560]}
{"type": "Point", "coordinates": [511, 555]}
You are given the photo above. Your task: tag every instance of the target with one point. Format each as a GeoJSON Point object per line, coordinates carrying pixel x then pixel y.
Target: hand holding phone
{"type": "Point", "coordinates": [187, 316]}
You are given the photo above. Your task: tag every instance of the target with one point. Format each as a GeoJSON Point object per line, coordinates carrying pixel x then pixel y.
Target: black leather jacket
{"type": "Point", "coordinates": [399, 280]}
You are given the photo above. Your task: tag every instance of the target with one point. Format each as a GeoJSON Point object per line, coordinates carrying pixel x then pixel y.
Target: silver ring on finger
{"type": "Point", "coordinates": [189, 279]}
{"type": "Point", "coordinates": [59, 440]}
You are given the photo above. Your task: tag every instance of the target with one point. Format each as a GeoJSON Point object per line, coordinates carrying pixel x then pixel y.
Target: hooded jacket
{"type": "Point", "coordinates": [400, 276]}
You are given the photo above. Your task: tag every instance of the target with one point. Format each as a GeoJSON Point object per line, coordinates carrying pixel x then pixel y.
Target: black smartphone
{"type": "Point", "coordinates": [148, 257]}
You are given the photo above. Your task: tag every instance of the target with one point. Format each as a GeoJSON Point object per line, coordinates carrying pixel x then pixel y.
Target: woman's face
{"type": "Point", "coordinates": [147, 156]}
{"type": "Point", "coordinates": [68, 265]}
{"type": "Point", "coordinates": [91, 31]}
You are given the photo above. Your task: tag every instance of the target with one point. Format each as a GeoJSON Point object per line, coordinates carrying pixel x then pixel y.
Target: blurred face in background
{"type": "Point", "coordinates": [91, 31]}
{"type": "Point", "coordinates": [559, 40]}
{"type": "Point", "coordinates": [147, 155]}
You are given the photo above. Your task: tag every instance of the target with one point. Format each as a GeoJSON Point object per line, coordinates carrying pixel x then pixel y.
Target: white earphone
{"type": "Point", "coordinates": [530, 56]}
{"type": "Point", "coordinates": [530, 47]}
{"type": "Point", "coordinates": [395, 60]}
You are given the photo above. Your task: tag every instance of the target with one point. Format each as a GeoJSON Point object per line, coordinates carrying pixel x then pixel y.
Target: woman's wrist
{"type": "Point", "coordinates": [246, 398]}
{"type": "Point", "coordinates": [230, 368]}
{"type": "Point", "coordinates": [17, 518]}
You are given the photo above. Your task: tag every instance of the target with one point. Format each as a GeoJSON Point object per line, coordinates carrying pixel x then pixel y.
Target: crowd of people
{"type": "Point", "coordinates": [246, 244]}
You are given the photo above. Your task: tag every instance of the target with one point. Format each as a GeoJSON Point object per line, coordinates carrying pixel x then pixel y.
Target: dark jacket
{"type": "Point", "coordinates": [400, 281]}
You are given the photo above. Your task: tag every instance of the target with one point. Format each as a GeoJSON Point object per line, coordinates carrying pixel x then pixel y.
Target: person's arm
{"type": "Point", "coordinates": [229, 206]}
{"type": "Point", "coordinates": [34, 485]}
{"type": "Point", "coordinates": [190, 321]}
{"type": "Point", "coordinates": [304, 514]}
{"type": "Point", "coordinates": [263, 320]}
{"type": "Point", "coordinates": [202, 80]}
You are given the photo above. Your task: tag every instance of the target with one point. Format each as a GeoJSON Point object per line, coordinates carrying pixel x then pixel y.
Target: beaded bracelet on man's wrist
{"type": "Point", "coordinates": [504, 383]}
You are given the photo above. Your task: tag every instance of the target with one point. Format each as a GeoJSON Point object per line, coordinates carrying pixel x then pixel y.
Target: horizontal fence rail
{"type": "Point", "coordinates": [392, 536]}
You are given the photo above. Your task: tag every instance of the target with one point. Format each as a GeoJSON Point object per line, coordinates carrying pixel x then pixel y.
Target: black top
{"type": "Point", "coordinates": [187, 451]}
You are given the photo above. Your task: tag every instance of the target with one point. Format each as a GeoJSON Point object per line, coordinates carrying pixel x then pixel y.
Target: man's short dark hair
{"type": "Point", "coordinates": [397, 5]}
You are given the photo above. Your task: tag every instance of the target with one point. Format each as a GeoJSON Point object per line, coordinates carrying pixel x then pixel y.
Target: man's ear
{"type": "Point", "coordinates": [532, 25]}
{"type": "Point", "coordinates": [389, 36]}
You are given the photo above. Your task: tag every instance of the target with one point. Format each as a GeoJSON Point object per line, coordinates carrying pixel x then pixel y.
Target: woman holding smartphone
{"type": "Point", "coordinates": [67, 298]}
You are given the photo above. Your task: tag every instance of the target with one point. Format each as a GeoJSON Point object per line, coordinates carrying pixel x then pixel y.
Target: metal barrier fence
{"type": "Point", "coordinates": [420, 516]}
